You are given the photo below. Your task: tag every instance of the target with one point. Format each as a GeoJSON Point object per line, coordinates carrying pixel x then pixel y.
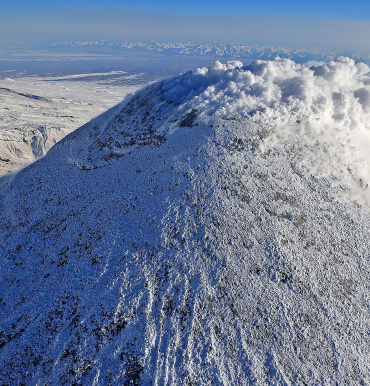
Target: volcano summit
{"type": "Point", "coordinates": [211, 229]}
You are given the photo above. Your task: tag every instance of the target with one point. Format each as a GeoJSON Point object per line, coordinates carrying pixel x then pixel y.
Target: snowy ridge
{"type": "Point", "coordinates": [170, 243]}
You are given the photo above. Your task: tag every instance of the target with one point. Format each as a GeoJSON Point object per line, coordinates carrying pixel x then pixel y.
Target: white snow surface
{"type": "Point", "coordinates": [37, 112]}
{"type": "Point", "coordinates": [189, 236]}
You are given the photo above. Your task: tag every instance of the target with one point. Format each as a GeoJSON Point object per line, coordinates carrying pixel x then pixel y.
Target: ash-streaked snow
{"type": "Point", "coordinates": [192, 237]}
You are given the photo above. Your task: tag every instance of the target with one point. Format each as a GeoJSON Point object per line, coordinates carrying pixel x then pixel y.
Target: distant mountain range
{"type": "Point", "coordinates": [235, 50]}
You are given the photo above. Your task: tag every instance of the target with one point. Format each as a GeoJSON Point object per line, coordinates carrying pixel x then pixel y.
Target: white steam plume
{"type": "Point", "coordinates": [320, 111]}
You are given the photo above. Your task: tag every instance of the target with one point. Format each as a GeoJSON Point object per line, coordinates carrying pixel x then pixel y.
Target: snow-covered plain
{"type": "Point", "coordinates": [191, 236]}
{"type": "Point", "coordinates": [37, 111]}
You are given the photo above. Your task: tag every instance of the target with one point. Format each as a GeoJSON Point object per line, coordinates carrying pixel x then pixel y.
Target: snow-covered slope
{"type": "Point", "coordinates": [194, 236]}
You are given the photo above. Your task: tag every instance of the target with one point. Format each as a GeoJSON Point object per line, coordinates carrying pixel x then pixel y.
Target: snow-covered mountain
{"type": "Point", "coordinates": [213, 229]}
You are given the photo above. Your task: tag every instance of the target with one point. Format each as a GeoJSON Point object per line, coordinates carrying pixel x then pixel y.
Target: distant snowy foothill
{"type": "Point", "coordinates": [212, 229]}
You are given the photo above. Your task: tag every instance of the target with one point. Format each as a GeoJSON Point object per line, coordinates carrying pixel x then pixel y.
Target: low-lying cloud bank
{"type": "Point", "coordinates": [320, 113]}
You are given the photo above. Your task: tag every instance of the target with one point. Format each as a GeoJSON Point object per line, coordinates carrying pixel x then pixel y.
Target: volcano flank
{"type": "Point", "coordinates": [212, 229]}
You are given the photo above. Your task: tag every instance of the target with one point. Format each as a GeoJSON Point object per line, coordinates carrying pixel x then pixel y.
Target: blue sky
{"type": "Point", "coordinates": [339, 9]}
{"type": "Point", "coordinates": [291, 22]}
